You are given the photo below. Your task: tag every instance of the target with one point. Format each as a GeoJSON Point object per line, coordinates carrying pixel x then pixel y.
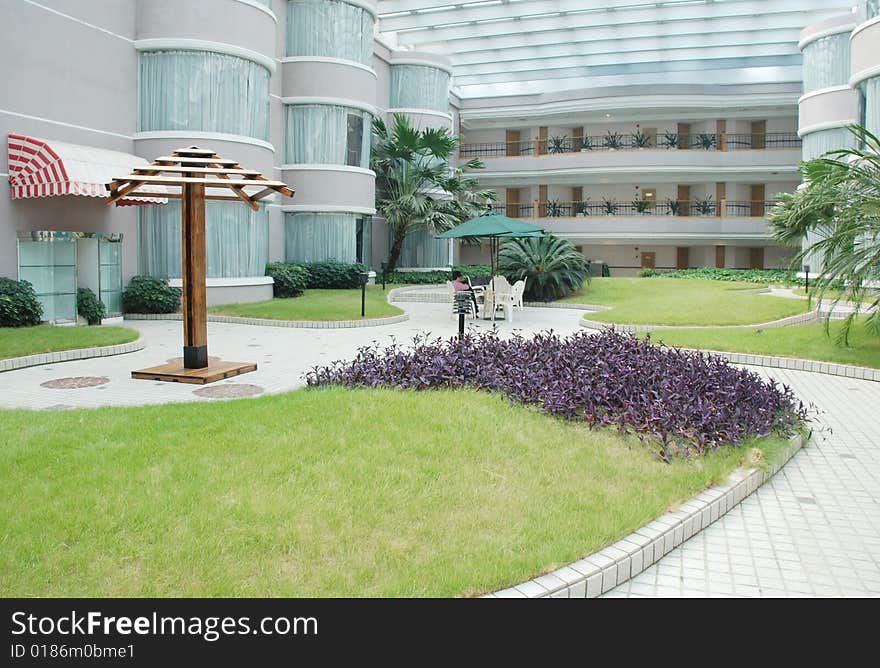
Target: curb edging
{"type": "Point", "coordinates": [15, 363]}
{"type": "Point", "coordinates": [601, 571]}
{"type": "Point", "coordinates": [794, 363]}
{"type": "Point", "coordinates": [809, 317]}
{"type": "Point", "coordinates": [265, 322]}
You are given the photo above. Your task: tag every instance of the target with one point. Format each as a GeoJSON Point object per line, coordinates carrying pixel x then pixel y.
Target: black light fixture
{"type": "Point", "coordinates": [364, 277]}
{"type": "Point", "coordinates": [807, 279]}
{"type": "Point", "coordinates": [384, 267]}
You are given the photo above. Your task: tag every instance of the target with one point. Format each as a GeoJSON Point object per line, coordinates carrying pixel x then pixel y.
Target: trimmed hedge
{"type": "Point", "coordinates": [19, 306]}
{"type": "Point", "coordinates": [434, 277]}
{"type": "Point", "coordinates": [146, 294]}
{"type": "Point", "coordinates": [778, 276]}
{"type": "Point", "coordinates": [334, 275]}
{"type": "Point", "coordinates": [290, 279]}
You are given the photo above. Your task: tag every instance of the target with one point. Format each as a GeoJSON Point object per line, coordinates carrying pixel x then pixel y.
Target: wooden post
{"type": "Point", "coordinates": [195, 314]}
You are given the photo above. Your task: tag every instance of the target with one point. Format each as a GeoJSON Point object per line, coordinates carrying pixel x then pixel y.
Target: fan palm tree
{"type": "Point", "coordinates": [840, 206]}
{"type": "Point", "coordinates": [552, 267]}
{"type": "Point", "coordinates": [415, 187]}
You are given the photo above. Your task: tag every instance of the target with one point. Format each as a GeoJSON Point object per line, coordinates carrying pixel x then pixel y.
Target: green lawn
{"type": "Point", "coordinates": [20, 341]}
{"type": "Point", "coordinates": [328, 492]}
{"type": "Point", "coordinates": [316, 305]}
{"type": "Point", "coordinates": [678, 301]}
{"type": "Point", "coordinates": [807, 342]}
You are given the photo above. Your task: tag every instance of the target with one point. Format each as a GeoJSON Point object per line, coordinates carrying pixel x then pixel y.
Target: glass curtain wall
{"type": "Point", "coordinates": [422, 250]}
{"type": "Point", "coordinates": [826, 62]}
{"type": "Point", "coordinates": [48, 262]}
{"type": "Point", "coordinates": [419, 87]}
{"type": "Point", "coordinates": [330, 28]}
{"type": "Point", "coordinates": [237, 240]}
{"type": "Point", "coordinates": [817, 143]}
{"type": "Point", "coordinates": [327, 134]}
{"type": "Point", "coordinates": [110, 273]}
{"type": "Point", "coordinates": [203, 91]}
{"type": "Point", "coordinates": [871, 105]}
{"type": "Point", "coordinates": [315, 237]}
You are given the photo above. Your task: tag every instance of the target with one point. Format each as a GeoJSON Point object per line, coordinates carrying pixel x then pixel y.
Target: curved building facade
{"type": "Point", "coordinates": [327, 129]}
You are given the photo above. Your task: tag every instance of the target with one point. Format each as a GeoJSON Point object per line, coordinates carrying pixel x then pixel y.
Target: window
{"type": "Point", "coordinates": [419, 87]}
{"type": "Point", "coordinates": [203, 91]}
{"type": "Point", "coordinates": [330, 28]}
{"type": "Point", "coordinates": [327, 134]}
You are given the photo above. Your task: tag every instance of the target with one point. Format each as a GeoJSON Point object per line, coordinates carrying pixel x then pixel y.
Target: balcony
{"type": "Point", "coordinates": [613, 141]}
{"type": "Point", "coordinates": [712, 157]}
{"type": "Point", "coordinates": [609, 220]}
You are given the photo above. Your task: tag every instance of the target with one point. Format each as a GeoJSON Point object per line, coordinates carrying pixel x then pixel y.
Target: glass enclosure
{"type": "Point", "coordinates": [826, 62]}
{"type": "Point", "coordinates": [48, 261]}
{"type": "Point", "coordinates": [110, 272]}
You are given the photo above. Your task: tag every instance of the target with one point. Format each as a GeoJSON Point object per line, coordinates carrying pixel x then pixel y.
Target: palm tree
{"type": "Point", "coordinates": [415, 187]}
{"type": "Point", "coordinates": [840, 204]}
{"type": "Point", "coordinates": [552, 267]}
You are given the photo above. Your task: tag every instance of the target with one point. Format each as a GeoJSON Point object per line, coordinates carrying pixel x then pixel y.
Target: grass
{"type": "Point", "coordinates": [327, 492]}
{"type": "Point", "coordinates": [20, 341]}
{"type": "Point", "coordinates": [316, 305]}
{"type": "Point", "coordinates": [677, 301]}
{"type": "Point", "coordinates": [805, 341]}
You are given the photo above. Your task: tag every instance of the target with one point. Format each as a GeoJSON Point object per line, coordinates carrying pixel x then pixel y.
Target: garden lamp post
{"type": "Point", "coordinates": [384, 268]}
{"type": "Point", "coordinates": [807, 279]}
{"type": "Point", "coordinates": [364, 277]}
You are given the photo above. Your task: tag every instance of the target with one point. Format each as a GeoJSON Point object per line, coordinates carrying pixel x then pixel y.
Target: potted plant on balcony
{"type": "Point", "coordinates": [586, 143]}
{"type": "Point", "coordinates": [705, 141]}
{"type": "Point", "coordinates": [641, 140]}
{"type": "Point", "coordinates": [613, 140]}
{"type": "Point", "coordinates": [642, 206]}
{"type": "Point", "coordinates": [557, 144]}
{"type": "Point", "coordinates": [554, 209]}
{"type": "Point", "coordinates": [610, 206]}
{"type": "Point", "coordinates": [670, 140]}
{"type": "Point", "coordinates": [705, 207]}
{"type": "Point", "coordinates": [673, 205]}
{"type": "Point", "coordinates": [580, 208]}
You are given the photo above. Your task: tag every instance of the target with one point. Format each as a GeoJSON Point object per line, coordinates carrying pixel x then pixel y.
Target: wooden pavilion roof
{"type": "Point", "coordinates": [194, 165]}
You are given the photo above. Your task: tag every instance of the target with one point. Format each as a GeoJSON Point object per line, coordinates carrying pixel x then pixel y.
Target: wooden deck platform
{"type": "Point", "coordinates": [175, 372]}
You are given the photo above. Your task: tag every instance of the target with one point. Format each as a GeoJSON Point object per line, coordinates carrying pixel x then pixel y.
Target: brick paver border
{"type": "Point", "coordinates": [14, 363]}
{"type": "Point", "coordinates": [600, 572]}
{"type": "Point", "coordinates": [264, 322]}
{"type": "Point", "coordinates": [800, 319]}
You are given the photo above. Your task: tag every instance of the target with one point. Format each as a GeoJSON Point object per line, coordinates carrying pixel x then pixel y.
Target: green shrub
{"type": "Point", "coordinates": [777, 276]}
{"type": "Point", "coordinates": [146, 294]}
{"type": "Point", "coordinates": [89, 306]}
{"type": "Point", "coordinates": [334, 275]}
{"type": "Point", "coordinates": [19, 306]}
{"type": "Point", "coordinates": [552, 267]}
{"type": "Point", "coordinates": [647, 272]}
{"type": "Point", "coordinates": [290, 279]}
{"type": "Point", "coordinates": [472, 270]}
{"type": "Point", "coordinates": [417, 277]}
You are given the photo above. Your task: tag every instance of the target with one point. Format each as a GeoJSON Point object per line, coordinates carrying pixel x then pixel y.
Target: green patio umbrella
{"type": "Point", "coordinates": [494, 227]}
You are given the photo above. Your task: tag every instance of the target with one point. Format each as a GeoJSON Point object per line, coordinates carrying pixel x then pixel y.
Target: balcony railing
{"type": "Point", "coordinates": [632, 142]}
{"type": "Point", "coordinates": [705, 208]}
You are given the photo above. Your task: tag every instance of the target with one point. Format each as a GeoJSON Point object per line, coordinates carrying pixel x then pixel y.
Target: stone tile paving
{"type": "Point", "coordinates": [812, 530]}
{"type": "Point", "coordinates": [282, 354]}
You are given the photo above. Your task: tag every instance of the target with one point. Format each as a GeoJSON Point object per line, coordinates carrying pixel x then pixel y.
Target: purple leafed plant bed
{"type": "Point", "coordinates": [680, 402]}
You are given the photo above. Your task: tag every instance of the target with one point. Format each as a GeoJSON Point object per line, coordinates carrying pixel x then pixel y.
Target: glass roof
{"type": "Point", "coordinates": [512, 47]}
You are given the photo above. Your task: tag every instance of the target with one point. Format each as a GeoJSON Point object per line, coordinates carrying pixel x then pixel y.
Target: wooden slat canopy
{"type": "Point", "coordinates": [195, 172]}
{"type": "Point", "coordinates": [196, 166]}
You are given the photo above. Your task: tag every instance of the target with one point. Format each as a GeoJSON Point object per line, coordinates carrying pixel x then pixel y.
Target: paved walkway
{"type": "Point", "coordinates": [282, 354]}
{"type": "Point", "coordinates": [814, 529]}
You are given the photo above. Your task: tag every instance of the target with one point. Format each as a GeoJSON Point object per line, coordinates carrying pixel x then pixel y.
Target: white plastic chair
{"type": "Point", "coordinates": [501, 297]}
{"type": "Point", "coordinates": [516, 293]}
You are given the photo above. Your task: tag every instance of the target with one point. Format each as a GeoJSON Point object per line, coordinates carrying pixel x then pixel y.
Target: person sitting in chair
{"type": "Point", "coordinates": [460, 283]}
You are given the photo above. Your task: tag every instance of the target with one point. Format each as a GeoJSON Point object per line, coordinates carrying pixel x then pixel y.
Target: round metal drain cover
{"type": "Point", "coordinates": [75, 382]}
{"type": "Point", "coordinates": [229, 391]}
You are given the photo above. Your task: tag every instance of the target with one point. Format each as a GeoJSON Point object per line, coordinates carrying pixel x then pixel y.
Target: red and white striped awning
{"type": "Point", "coordinates": [46, 168]}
